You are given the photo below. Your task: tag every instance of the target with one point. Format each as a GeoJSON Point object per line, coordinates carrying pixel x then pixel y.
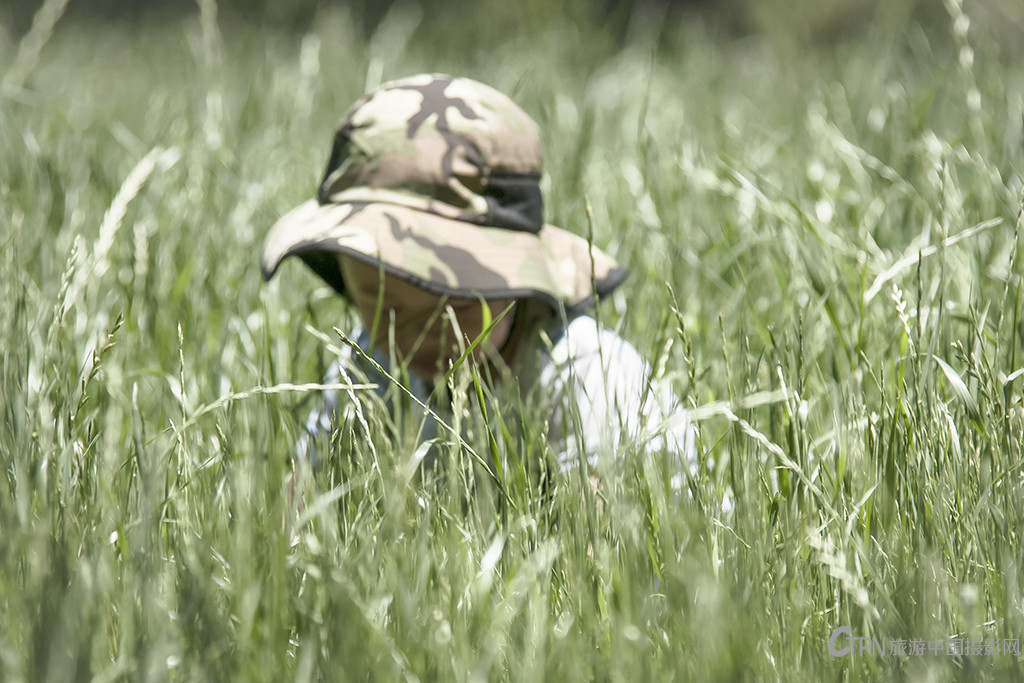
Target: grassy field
{"type": "Point", "coordinates": [826, 263]}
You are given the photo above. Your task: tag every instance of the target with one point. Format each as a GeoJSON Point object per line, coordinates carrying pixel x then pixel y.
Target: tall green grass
{"type": "Point", "coordinates": [826, 257]}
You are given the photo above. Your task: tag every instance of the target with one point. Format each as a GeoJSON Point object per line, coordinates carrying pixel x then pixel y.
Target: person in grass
{"type": "Point", "coordinates": [429, 220]}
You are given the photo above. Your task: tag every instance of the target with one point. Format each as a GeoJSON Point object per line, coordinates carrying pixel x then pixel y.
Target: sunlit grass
{"type": "Point", "coordinates": [825, 263]}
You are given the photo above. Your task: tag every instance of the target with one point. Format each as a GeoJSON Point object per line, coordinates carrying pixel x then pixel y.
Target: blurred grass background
{"type": "Point", "coordinates": [821, 200]}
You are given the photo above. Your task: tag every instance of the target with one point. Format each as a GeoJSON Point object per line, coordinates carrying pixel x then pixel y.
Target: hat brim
{"type": "Point", "coordinates": [444, 255]}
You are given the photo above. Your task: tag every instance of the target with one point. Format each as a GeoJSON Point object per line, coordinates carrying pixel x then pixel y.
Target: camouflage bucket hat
{"type": "Point", "coordinates": [438, 179]}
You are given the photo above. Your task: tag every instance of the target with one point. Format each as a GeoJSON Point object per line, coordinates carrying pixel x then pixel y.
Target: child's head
{"type": "Point", "coordinates": [429, 329]}
{"type": "Point", "coordinates": [437, 181]}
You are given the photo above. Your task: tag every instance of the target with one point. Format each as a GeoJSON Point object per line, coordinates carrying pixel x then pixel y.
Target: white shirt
{"type": "Point", "coordinates": [600, 393]}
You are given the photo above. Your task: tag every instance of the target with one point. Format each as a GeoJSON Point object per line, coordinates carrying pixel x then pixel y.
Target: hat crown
{"type": "Point", "coordinates": [450, 146]}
